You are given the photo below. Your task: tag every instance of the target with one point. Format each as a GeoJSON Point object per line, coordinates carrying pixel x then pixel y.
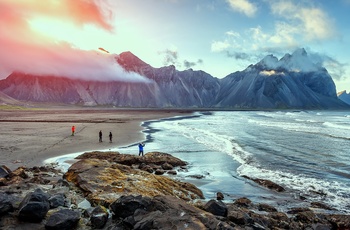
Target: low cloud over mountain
{"type": "Point", "coordinates": [294, 81]}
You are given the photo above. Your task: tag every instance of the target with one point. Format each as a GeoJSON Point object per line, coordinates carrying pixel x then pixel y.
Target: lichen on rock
{"type": "Point", "coordinates": [104, 181]}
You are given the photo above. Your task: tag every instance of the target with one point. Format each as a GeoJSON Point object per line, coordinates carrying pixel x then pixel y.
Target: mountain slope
{"type": "Point", "coordinates": [291, 82]}
{"type": "Point", "coordinates": [345, 97]}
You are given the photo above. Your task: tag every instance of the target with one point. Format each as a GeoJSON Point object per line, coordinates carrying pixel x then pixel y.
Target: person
{"type": "Point", "coordinates": [110, 137]}
{"type": "Point", "coordinates": [100, 136]}
{"type": "Point", "coordinates": [73, 130]}
{"type": "Point", "coordinates": [141, 145]}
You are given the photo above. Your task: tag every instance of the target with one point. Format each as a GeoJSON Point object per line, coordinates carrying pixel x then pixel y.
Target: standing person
{"type": "Point", "coordinates": [141, 145]}
{"type": "Point", "coordinates": [100, 136]}
{"type": "Point", "coordinates": [110, 137]}
{"type": "Point", "coordinates": [73, 130]}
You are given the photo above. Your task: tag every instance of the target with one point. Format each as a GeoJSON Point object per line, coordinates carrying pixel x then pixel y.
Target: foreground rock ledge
{"type": "Point", "coordinates": [104, 181]}
{"type": "Point", "coordinates": [33, 187]}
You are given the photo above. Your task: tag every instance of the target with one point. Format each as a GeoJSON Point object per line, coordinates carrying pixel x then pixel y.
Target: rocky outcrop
{"type": "Point", "coordinates": [104, 181]}
{"type": "Point", "coordinates": [160, 212]}
{"type": "Point", "coordinates": [72, 207]}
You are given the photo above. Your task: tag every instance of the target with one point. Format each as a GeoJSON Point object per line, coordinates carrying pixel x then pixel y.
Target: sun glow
{"type": "Point", "coordinates": [86, 37]}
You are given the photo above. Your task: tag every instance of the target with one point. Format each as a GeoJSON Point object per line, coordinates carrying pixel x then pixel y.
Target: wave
{"type": "Point", "coordinates": [334, 193]}
{"type": "Point", "coordinates": [241, 134]}
{"type": "Point", "coordinates": [336, 126]}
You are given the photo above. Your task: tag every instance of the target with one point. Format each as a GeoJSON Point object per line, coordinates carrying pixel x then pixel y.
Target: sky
{"type": "Point", "coordinates": [80, 38]}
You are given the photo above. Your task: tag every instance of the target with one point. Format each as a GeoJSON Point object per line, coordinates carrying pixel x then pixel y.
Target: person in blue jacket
{"type": "Point", "coordinates": [141, 145]}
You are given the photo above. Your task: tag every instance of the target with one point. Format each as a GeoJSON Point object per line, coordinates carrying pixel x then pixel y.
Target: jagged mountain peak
{"type": "Point", "coordinates": [130, 62]}
{"type": "Point", "coordinates": [269, 62]}
{"type": "Point", "coordinates": [298, 61]}
{"type": "Point", "coordinates": [270, 85]}
{"type": "Point", "coordinates": [299, 52]}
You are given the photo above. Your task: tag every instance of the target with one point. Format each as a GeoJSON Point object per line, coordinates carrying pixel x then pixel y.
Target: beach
{"type": "Point", "coordinates": [30, 136]}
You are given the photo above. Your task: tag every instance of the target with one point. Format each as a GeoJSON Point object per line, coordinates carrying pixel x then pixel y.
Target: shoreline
{"type": "Point", "coordinates": [29, 137]}
{"type": "Point", "coordinates": [137, 123]}
{"type": "Point", "coordinates": [66, 160]}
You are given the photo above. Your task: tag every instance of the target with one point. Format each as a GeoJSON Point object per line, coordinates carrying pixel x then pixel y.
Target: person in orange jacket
{"type": "Point", "coordinates": [73, 130]}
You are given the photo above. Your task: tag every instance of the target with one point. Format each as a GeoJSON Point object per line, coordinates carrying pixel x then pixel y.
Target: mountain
{"type": "Point", "coordinates": [7, 100]}
{"type": "Point", "coordinates": [345, 97]}
{"type": "Point", "coordinates": [291, 82]}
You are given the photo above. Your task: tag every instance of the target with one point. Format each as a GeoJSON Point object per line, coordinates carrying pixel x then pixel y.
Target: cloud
{"type": "Point", "coordinates": [189, 64]}
{"type": "Point", "coordinates": [219, 46]}
{"type": "Point", "coordinates": [80, 12]}
{"type": "Point", "coordinates": [238, 55]}
{"type": "Point", "coordinates": [243, 6]}
{"type": "Point", "coordinates": [335, 68]}
{"type": "Point", "coordinates": [25, 50]}
{"type": "Point", "coordinates": [170, 57]}
{"type": "Point", "coordinates": [313, 23]}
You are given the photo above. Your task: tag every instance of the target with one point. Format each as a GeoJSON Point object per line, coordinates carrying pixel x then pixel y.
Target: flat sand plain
{"type": "Point", "coordinates": [28, 137]}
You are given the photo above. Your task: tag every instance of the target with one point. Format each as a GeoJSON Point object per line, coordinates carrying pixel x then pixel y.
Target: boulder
{"type": "Point", "coordinates": [217, 208]}
{"type": "Point", "coordinates": [5, 204]}
{"type": "Point", "coordinates": [160, 158]}
{"type": "Point", "coordinates": [159, 172]}
{"type": "Point", "coordinates": [162, 212]}
{"type": "Point", "coordinates": [146, 168]}
{"type": "Point", "coordinates": [172, 172]}
{"type": "Point", "coordinates": [266, 208]}
{"type": "Point", "coordinates": [267, 183]}
{"type": "Point", "coordinates": [339, 221]}
{"type": "Point", "coordinates": [167, 166]}
{"type": "Point", "coordinates": [239, 217]}
{"type": "Point", "coordinates": [4, 171]}
{"type": "Point", "coordinates": [34, 206]}
{"type": "Point", "coordinates": [64, 219]}
{"type": "Point", "coordinates": [127, 205]}
{"type": "Point", "coordinates": [99, 217]}
{"type": "Point", "coordinates": [243, 202]}
{"type": "Point", "coordinates": [219, 196]}
{"type": "Point", "coordinates": [57, 200]}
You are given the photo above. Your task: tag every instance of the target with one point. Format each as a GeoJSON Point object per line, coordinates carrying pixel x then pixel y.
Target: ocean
{"type": "Point", "coordinates": [306, 152]}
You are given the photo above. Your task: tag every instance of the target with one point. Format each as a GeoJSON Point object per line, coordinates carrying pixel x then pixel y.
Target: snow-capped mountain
{"type": "Point", "coordinates": [291, 82]}
{"type": "Point", "coordinates": [345, 97]}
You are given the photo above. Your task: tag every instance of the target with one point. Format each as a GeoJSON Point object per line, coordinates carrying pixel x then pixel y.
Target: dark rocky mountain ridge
{"type": "Point", "coordinates": [269, 84]}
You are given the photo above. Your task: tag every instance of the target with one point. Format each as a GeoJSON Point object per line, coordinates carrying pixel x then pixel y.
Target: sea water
{"type": "Point", "coordinates": [306, 152]}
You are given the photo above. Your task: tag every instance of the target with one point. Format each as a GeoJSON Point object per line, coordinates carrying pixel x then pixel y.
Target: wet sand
{"type": "Point", "coordinates": [28, 137]}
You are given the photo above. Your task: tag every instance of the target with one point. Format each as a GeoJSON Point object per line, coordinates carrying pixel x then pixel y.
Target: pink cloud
{"type": "Point", "coordinates": [24, 50]}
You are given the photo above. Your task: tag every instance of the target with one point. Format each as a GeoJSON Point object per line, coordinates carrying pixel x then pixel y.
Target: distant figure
{"type": "Point", "coordinates": [141, 145]}
{"type": "Point", "coordinates": [73, 130]}
{"type": "Point", "coordinates": [110, 137]}
{"type": "Point", "coordinates": [100, 136]}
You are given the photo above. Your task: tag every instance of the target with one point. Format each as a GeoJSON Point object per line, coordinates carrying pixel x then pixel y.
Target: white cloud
{"type": "Point", "coordinates": [219, 46]}
{"type": "Point", "coordinates": [243, 6]}
{"type": "Point", "coordinates": [284, 35]}
{"type": "Point", "coordinates": [233, 34]}
{"type": "Point", "coordinates": [317, 25]}
{"type": "Point", "coordinates": [312, 23]}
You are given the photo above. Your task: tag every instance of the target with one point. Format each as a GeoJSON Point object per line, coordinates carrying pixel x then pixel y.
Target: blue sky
{"type": "Point", "coordinates": [216, 36]}
{"type": "Point", "coordinates": [224, 36]}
